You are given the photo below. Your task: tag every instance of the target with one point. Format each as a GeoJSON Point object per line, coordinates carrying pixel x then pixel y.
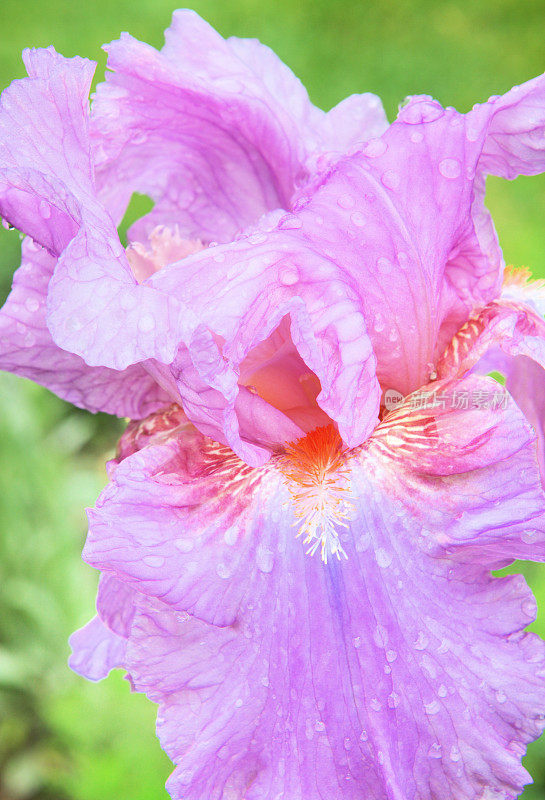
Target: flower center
{"type": "Point", "coordinates": [317, 477]}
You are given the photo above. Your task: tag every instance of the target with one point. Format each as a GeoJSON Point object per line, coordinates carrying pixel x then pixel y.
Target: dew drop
{"type": "Point", "coordinates": [357, 642]}
{"type": "Point", "coordinates": [501, 697]}
{"type": "Point", "coordinates": [421, 641]}
{"type": "Point", "coordinates": [391, 179]}
{"type": "Point", "coordinates": [375, 704]}
{"type": "Point", "coordinates": [347, 744]}
{"type": "Point", "coordinates": [375, 148]}
{"type": "Point", "coordinates": [416, 137]}
{"type": "Point", "coordinates": [450, 168]}
{"type": "Point", "coordinates": [154, 561]}
{"type": "Point", "coordinates": [290, 223]}
{"type": "Point", "coordinates": [391, 656]}
{"type": "Point", "coordinates": [442, 690]}
{"type": "Point", "coordinates": [184, 545]}
{"type": "Point", "coordinates": [384, 559]}
{"type": "Point", "coordinates": [435, 750]}
{"type": "Point", "coordinates": [363, 736]}
{"type": "Point", "coordinates": [32, 304]}
{"type": "Point", "coordinates": [357, 219]}
{"type": "Point", "coordinates": [222, 571]}
{"type": "Point", "coordinates": [384, 264]}
{"type": "Point", "coordinates": [346, 201]}
{"type": "Point", "coordinates": [45, 209]}
{"type": "Point", "coordinates": [379, 322]}
{"type": "Point", "coordinates": [288, 276]}
{"type": "Point", "coordinates": [432, 708]}
{"type": "Point", "coordinates": [239, 702]}
{"type": "Point", "coordinates": [393, 700]}
{"type": "Point", "coordinates": [455, 754]}
{"type": "Point", "coordinates": [529, 608]}
{"type": "Point", "coordinates": [319, 726]}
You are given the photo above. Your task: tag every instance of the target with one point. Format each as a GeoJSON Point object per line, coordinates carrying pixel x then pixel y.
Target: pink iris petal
{"type": "Point", "coordinates": [27, 349]}
{"type": "Point", "coordinates": [362, 667]}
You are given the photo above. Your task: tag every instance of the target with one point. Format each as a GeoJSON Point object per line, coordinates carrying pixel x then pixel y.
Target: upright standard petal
{"type": "Point", "coordinates": [217, 132]}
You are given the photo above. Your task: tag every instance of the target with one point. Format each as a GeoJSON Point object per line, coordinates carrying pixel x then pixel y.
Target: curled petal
{"type": "Point", "coordinates": [216, 131]}
{"type": "Point", "coordinates": [27, 349]}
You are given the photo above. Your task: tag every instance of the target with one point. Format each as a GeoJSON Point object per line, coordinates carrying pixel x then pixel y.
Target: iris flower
{"type": "Point", "coordinates": [294, 568]}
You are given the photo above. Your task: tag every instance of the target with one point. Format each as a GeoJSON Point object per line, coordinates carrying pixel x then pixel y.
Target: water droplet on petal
{"type": "Point", "coordinates": [393, 700]}
{"type": "Point", "coordinates": [384, 264]}
{"type": "Point", "coordinates": [223, 571]}
{"type": "Point", "coordinates": [432, 708]}
{"type": "Point", "coordinates": [32, 304]}
{"type": "Point", "coordinates": [290, 223]}
{"type": "Point", "coordinates": [346, 201]}
{"type": "Point", "coordinates": [357, 219]}
{"type": "Point", "coordinates": [184, 545]}
{"type": "Point", "coordinates": [357, 642]}
{"type": "Point", "coordinates": [376, 704]}
{"type": "Point", "coordinates": [154, 561]}
{"type": "Point", "coordinates": [455, 754]}
{"type": "Point", "coordinates": [288, 276]}
{"type": "Point", "coordinates": [391, 656]}
{"type": "Point", "coordinates": [442, 690]}
{"type": "Point", "coordinates": [375, 148]}
{"type": "Point", "coordinates": [45, 209]}
{"type": "Point", "coordinates": [416, 137]}
{"type": "Point", "coordinates": [363, 736]}
{"type": "Point", "coordinates": [501, 697]}
{"type": "Point", "coordinates": [391, 179]}
{"type": "Point", "coordinates": [450, 168]}
{"type": "Point", "coordinates": [319, 726]}
{"type": "Point", "coordinates": [384, 559]}
{"type": "Point", "coordinates": [435, 751]}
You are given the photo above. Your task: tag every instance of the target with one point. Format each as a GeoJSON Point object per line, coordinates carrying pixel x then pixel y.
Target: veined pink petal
{"type": "Point", "coordinates": [361, 667]}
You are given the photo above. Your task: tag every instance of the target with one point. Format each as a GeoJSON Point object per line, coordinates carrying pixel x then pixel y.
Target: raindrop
{"type": "Point", "coordinates": [288, 275]}
{"type": "Point", "coordinates": [384, 559]}
{"type": "Point", "coordinates": [346, 201]}
{"type": "Point", "coordinates": [375, 148]}
{"type": "Point", "coordinates": [435, 750]}
{"type": "Point", "coordinates": [391, 179]}
{"type": "Point", "coordinates": [357, 219]}
{"type": "Point", "coordinates": [450, 168]}
{"type": "Point", "coordinates": [154, 561]}
{"type": "Point", "coordinates": [45, 209]}
{"type": "Point", "coordinates": [32, 304]}
{"type": "Point", "coordinates": [393, 700]}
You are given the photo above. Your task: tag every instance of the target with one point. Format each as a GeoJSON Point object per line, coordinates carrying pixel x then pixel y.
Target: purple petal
{"type": "Point", "coordinates": [27, 349]}
{"type": "Point", "coordinates": [96, 650]}
{"type": "Point", "coordinates": [216, 131]}
{"type": "Point", "coordinates": [402, 669]}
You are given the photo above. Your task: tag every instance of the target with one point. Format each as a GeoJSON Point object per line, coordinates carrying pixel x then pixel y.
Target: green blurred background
{"type": "Point", "coordinates": [60, 737]}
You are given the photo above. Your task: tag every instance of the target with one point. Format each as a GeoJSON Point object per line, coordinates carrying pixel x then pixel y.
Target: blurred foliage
{"type": "Point", "coordinates": [60, 737]}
